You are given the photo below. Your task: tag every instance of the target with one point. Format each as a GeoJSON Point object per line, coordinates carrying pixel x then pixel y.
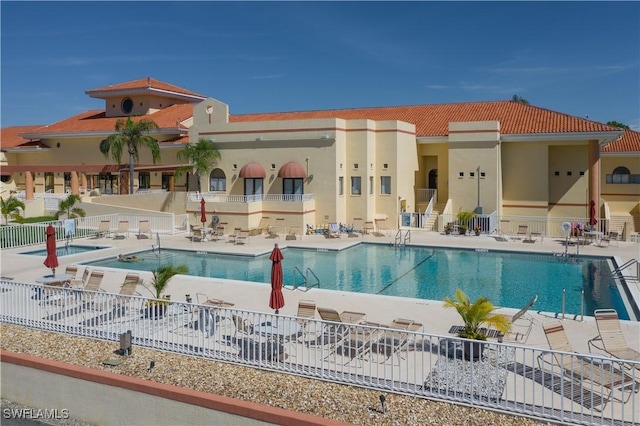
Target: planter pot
{"type": "Point", "coordinates": [473, 349]}
{"type": "Point", "coordinates": [462, 231]}
{"type": "Point", "coordinates": [447, 231]}
{"type": "Point", "coordinates": [477, 233]}
{"type": "Point", "coordinates": [155, 311]}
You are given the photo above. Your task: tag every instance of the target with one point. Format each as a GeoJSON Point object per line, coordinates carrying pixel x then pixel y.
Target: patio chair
{"type": "Point", "coordinates": [608, 238]}
{"type": "Point", "coordinates": [123, 230]}
{"type": "Point", "coordinates": [523, 231]}
{"type": "Point", "coordinates": [234, 236]}
{"type": "Point", "coordinates": [243, 237]}
{"type": "Point", "coordinates": [196, 233]}
{"type": "Point", "coordinates": [358, 225]}
{"type": "Point", "coordinates": [263, 226]}
{"type": "Point", "coordinates": [604, 378]}
{"type": "Point", "coordinates": [306, 311]}
{"type": "Point", "coordinates": [75, 281]}
{"type": "Point", "coordinates": [391, 341]}
{"type": "Point", "coordinates": [610, 338]}
{"type": "Point", "coordinates": [104, 229]}
{"type": "Point", "coordinates": [144, 229]}
{"type": "Point", "coordinates": [381, 228]}
{"type": "Point", "coordinates": [356, 344]}
{"type": "Point", "coordinates": [522, 321]}
{"type": "Point", "coordinates": [218, 233]}
{"type": "Point", "coordinates": [330, 314]}
{"type": "Point", "coordinates": [95, 281]}
{"type": "Point", "coordinates": [368, 228]}
{"type": "Point", "coordinates": [242, 325]}
{"type": "Point", "coordinates": [333, 231]}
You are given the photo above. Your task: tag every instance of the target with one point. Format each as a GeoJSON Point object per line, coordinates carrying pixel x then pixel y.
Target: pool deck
{"type": "Point", "coordinates": [380, 309]}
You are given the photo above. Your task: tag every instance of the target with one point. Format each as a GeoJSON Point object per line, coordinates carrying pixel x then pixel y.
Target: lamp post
{"type": "Point", "coordinates": [478, 209]}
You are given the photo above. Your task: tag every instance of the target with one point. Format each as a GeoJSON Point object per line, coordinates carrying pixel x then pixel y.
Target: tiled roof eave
{"type": "Point", "coordinates": [619, 153]}
{"type": "Point", "coordinates": [99, 133]}
{"type": "Point", "coordinates": [601, 137]}
{"type": "Point", "coordinates": [103, 94]}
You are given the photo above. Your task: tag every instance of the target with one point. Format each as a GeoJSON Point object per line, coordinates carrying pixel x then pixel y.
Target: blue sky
{"type": "Point", "coordinates": [581, 58]}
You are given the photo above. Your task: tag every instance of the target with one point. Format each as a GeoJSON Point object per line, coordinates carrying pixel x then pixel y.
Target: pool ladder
{"type": "Point", "coordinates": [619, 270]}
{"type": "Point", "coordinates": [305, 276]}
{"type": "Point", "coordinates": [401, 241]}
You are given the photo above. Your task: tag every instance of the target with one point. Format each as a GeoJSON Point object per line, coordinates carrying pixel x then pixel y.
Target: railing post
{"type": "Point", "coordinates": [564, 292]}
{"type": "Point", "coordinates": [582, 305]}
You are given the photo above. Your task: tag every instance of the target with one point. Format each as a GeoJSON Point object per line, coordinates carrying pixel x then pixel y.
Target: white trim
{"type": "Point", "coordinates": [601, 137]}
{"type": "Point", "coordinates": [102, 133]}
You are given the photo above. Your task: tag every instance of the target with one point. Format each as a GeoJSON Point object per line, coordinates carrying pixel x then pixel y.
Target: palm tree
{"type": "Point", "coordinates": [131, 135]}
{"type": "Point", "coordinates": [161, 277]}
{"type": "Point", "coordinates": [11, 207]}
{"type": "Point", "coordinates": [68, 207]}
{"type": "Point", "coordinates": [203, 156]}
{"type": "Point", "coordinates": [475, 314]}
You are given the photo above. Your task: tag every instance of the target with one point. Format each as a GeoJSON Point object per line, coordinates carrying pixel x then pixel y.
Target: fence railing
{"type": "Point", "coordinates": [502, 376]}
{"type": "Point", "coordinates": [34, 233]}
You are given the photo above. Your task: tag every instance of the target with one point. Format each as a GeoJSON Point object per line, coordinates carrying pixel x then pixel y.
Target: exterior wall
{"type": "Point", "coordinates": [328, 148]}
{"type": "Point", "coordinates": [568, 194]}
{"type": "Point", "coordinates": [102, 397]}
{"type": "Point", "coordinates": [142, 104]}
{"type": "Point", "coordinates": [622, 198]}
{"type": "Point", "coordinates": [474, 148]}
{"type": "Point", "coordinates": [525, 176]}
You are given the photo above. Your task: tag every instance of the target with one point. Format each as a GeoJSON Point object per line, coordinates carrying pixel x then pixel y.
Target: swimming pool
{"type": "Point", "coordinates": [65, 250]}
{"type": "Point", "coordinates": [506, 278]}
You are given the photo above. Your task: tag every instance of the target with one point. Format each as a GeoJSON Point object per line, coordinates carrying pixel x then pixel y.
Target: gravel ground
{"type": "Point", "coordinates": [332, 401]}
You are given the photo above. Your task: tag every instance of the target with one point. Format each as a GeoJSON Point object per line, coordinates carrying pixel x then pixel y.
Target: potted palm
{"type": "Point", "coordinates": [447, 228]}
{"type": "Point", "coordinates": [474, 315]}
{"type": "Point", "coordinates": [156, 307]}
{"type": "Point", "coordinates": [464, 217]}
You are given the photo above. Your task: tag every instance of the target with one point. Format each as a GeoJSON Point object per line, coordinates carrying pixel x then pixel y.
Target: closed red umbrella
{"type": "Point", "coordinates": [592, 214]}
{"type": "Point", "coordinates": [276, 301]}
{"type": "Point", "coordinates": [52, 258]}
{"type": "Point", "coordinates": [203, 212]}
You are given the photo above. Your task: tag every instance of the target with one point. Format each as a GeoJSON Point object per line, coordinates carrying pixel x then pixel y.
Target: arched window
{"type": "Point", "coordinates": [217, 180]}
{"type": "Point", "coordinates": [622, 174]}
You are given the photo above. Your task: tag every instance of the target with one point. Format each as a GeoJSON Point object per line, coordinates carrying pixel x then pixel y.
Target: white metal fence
{"type": "Point", "coordinates": [34, 233]}
{"type": "Point", "coordinates": [218, 197]}
{"type": "Point", "coordinates": [410, 361]}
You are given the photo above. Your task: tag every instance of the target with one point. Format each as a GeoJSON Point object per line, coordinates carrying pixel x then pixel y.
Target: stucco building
{"type": "Point", "coordinates": [503, 158]}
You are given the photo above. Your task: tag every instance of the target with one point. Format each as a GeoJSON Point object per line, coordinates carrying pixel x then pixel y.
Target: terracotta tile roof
{"type": "Point", "coordinates": [433, 120]}
{"type": "Point", "coordinates": [628, 142]}
{"type": "Point", "coordinates": [95, 120]}
{"type": "Point", "coordinates": [9, 135]}
{"type": "Point", "coordinates": [142, 83]}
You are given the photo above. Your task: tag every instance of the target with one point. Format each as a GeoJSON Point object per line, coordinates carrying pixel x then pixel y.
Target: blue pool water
{"type": "Point", "coordinates": [65, 250]}
{"type": "Point", "coordinates": [507, 279]}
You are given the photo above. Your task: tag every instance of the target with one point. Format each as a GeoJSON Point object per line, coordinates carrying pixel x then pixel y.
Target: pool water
{"type": "Point", "coordinates": [506, 278]}
{"type": "Point", "coordinates": [65, 250]}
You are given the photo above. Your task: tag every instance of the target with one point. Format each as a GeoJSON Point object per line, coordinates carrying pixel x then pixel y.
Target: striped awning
{"type": "Point", "coordinates": [252, 170]}
{"type": "Point", "coordinates": [292, 170]}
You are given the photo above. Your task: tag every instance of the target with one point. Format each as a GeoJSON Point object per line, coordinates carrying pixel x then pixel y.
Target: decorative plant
{"type": "Point", "coordinates": [477, 230]}
{"type": "Point", "coordinates": [68, 207]}
{"type": "Point", "coordinates": [12, 208]}
{"type": "Point", "coordinates": [475, 314]}
{"type": "Point", "coordinates": [160, 281]}
{"type": "Point", "coordinates": [464, 217]}
{"type": "Point", "coordinates": [447, 228]}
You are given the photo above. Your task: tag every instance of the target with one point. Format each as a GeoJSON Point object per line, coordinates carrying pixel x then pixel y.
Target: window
{"type": "Point", "coordinates": [217, 180]}
{"type": "Point", "coordinates": [356, 185]}
{"type": "Point", "coordinates": [292, 186]}
{"type": "Point", "coordinates": [144, 180]}
{"type": "Point", "coordinates": [385, 185]}
{"type": "Point", "coordinates": [253, 186]}
{"type": "Point", "coordinates": [340, 185]}
{"type": "Point", "coordinates": [370, 185]}
{"type": "Point", "coordinates": [67, 182]}
{"type": "Point", "coordinates": [126, 105]}
{"type": "Point", "coordinates": [49, 180]}
{"type": "Point", "coordinates": [623, 175]}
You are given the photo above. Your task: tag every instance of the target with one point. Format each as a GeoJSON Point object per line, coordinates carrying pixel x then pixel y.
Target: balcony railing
{"type": "Point", "coordinates": [216, 197]}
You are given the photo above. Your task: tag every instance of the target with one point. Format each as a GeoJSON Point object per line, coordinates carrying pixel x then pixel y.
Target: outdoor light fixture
{"type": "Point", "coordinates": [382, 400]}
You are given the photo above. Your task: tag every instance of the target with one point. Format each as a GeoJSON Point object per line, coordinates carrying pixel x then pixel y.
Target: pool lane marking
{"type": "Point", "coordinates": [403, 275]}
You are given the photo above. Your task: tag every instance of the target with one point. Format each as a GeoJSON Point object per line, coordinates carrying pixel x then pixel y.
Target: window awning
{"type": "Point", "coordinates": [252, 170]}
{"type": "Point", "coordinates": [292, 170]}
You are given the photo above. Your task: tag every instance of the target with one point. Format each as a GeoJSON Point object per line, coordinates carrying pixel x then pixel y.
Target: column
{"type": "Point", "coordinates": [28, 185]}
{"type": "Point", "coordinates": [594, 175]}
{"type": "Point", "coordinates": [75, 183]}
{"type": "Point", "coordinates": [83, 182]}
